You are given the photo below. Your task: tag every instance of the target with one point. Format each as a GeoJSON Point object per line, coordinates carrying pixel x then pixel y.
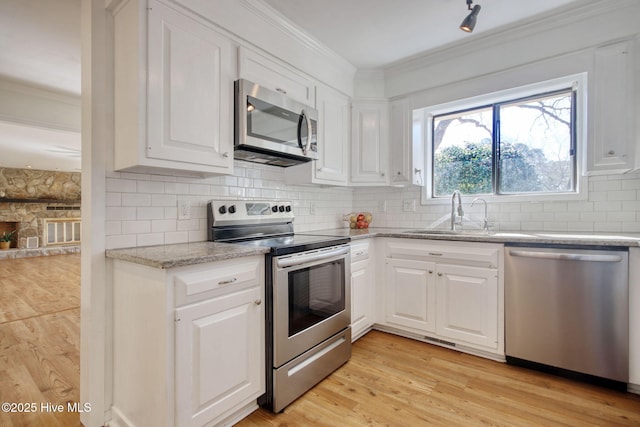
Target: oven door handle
{"type": "Point", "coordinates": [312, 257]}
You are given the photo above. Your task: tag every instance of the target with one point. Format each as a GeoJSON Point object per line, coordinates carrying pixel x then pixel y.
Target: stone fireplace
{"type": "Point", "coordinates": [32, 199]}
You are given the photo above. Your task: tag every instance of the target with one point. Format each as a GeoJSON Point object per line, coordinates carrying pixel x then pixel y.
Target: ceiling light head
{"type": "Point", "coordinates": [470, 21]}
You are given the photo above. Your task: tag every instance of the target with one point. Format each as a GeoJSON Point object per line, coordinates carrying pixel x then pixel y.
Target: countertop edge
{"type": "Point", "coordinates": [185, 254]}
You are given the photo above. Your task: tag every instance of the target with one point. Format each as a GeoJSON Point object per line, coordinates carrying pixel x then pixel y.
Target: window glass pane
{"type": "Point", "coordinates": [51, 232]}
{"type": "Point", "coordinates": [462, 159]}
{"type": "Point", "coordinates": [59, 232]}
{"type": "Point", "coordinates": [535, 145]}
{"type": "Point", "coordinates": [76, 231]}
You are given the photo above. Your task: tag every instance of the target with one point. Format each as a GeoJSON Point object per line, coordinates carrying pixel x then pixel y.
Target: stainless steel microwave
{"type": "Point", "coordinates": [271, 128]}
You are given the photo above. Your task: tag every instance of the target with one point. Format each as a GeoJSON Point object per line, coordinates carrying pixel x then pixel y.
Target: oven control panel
{"type": "Point", "coordinates": [234, 212]}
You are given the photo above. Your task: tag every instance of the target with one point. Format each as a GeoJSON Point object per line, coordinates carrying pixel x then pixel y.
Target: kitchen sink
{"type": "Point", "coordinates": [448, 232]}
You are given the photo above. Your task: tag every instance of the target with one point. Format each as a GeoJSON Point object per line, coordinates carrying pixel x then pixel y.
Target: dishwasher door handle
{"type": "Point", "coordinates": [566, 256]}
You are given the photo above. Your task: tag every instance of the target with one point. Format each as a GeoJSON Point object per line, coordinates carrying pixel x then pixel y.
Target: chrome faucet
{"type": "Point", "coordinates": [456, 217]}
{"type": "Point", "coordinates": [485, 219]}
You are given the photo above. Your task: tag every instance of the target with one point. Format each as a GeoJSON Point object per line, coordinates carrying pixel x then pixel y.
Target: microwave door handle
{"type": "Point", "coordinates": [304, 117]}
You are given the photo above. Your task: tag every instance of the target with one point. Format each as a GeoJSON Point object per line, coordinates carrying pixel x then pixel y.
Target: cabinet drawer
{"type": "Point", "coordinates": [359, 251]}
{"type": "Point", "coordinates": [468, 253]}
{"type": "Point", "coordinates": [217, 278]}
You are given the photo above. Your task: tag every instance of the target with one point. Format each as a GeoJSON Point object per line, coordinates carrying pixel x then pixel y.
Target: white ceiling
{"type": "Point", "coordinates": [375, 33]}
{"type": "Point", "coordinates": [40, 46]}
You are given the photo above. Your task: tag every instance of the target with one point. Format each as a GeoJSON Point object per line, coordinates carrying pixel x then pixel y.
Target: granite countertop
{"type": "Point", "coordinates": [178, 255]}
{"type": "Point", "coordinates": [542, 237]}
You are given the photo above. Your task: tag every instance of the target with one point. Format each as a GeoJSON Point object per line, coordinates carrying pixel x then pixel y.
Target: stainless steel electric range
{"type": "Point", "coordinates": [308, 294]}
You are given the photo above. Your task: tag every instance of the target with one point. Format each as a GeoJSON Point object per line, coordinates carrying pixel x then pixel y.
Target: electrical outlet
{"type": "Point", "coordinates": [382, 206]}
{"type": "Point", "coordinates": [409, 205]}
{"type": "Point", "coordinates": [184, 209]}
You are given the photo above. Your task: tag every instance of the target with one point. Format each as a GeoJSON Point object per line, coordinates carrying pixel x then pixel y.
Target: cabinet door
{"type": "Point", "coordinates": [467, 308]}
{"type": "Point", "coordinates": [190, 88]}
{"type": "Point", "coordinates": [612, 144]}
{"type": "Point", "coordinates": [333, 135]}
{"type": "Point", "coordinates": [410, 294]}
{"type": "Point", "coordinates": [362, 298]}
{"type": "Point", "coordinates": [369, 143]}
{"type": "Point", "coordinates": [406, 150]}
{"type": "Point", "coordinates": [219, 356]}
{"type": "Point", "coordinates": [276, 76]}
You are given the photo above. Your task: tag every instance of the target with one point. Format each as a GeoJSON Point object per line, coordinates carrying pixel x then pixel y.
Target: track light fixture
{"type": "Point", "coordinates": [470, 21]}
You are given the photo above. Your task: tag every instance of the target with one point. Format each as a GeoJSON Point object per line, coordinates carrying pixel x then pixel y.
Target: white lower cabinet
{"type": "Point", "coordinates": [451, 292]}
{"type": "Point", "coordinates": [217, 342]}
{"type": "Point", "coordinates": [362, 290]}
{"type": "Point", "coordinates": [411, 294]}
{"type": "Point", "coordinates": [467, 308]}
{"type": "Point", "coordinates": [189, 343]}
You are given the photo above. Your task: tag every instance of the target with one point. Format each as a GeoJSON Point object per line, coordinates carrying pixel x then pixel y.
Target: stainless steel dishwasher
{"type": "Point", "coordinates": [567, 308]}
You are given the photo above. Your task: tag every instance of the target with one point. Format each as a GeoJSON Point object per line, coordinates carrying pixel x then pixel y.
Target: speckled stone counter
{"type": "Point", "coordinates": [178, 255]}
{"type": "Point", "coordinates": [589, 239]}
{"type": "Point", "coordinates": [169, 256]}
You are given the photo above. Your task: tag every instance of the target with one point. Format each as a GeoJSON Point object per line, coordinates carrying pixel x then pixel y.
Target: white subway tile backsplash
{"type": "Point", "coordinates": [136, 199]}
{"type": "Point", "coordinates": [142, 209]}
{"type": "Point", "coordinates": [150, 213]}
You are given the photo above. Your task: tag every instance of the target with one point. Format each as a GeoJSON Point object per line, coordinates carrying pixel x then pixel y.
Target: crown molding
{"type": "Point", "coordinates": [282, 23]}
{"type": "Point", "coordinates": [521, 30]}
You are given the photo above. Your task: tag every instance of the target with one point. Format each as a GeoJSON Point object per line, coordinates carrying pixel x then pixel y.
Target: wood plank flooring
{"type": "Point", "coordinates": [40, 339]}
{"type": "Point", "coordinates": [395, 381]}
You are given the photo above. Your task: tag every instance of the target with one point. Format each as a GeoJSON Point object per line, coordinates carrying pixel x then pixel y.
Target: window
{"type": "Point", "coordinates": [519, 145]}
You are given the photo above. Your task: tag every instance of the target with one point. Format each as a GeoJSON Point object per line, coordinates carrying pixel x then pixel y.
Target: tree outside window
{"type": "Point", "coordinates": [513, 147]}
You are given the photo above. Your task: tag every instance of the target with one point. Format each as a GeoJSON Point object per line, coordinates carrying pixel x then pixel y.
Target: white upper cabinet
{"type": "Point", "coordinates": [369, 143]}
{"type": "Point", "coordinates": [332, 165]}
{"type": "Point", "coordinates": [173, 92]}
{"type": "Point", "coordinates": [406, 148]}
{"type": "Point", "coordinates": [614, 111]}
{"type": "Point", "coordinates": [276, 75]}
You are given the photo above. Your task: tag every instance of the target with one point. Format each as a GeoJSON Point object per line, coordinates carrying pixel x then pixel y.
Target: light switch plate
{"type": "Point", "coordinates": [409, 205]}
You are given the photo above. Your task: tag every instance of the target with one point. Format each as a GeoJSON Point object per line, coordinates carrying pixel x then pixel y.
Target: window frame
{"type": "Point", "coordinates": [577, 83]}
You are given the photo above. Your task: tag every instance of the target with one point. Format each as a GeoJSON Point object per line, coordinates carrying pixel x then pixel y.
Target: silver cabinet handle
{"type": "Point", "coordinates": [226, 282]}
{"type": "Point", "coordinates": [226, 154]}
{"type": "Point", "coordinates": [440, 274]}
{"type": "Point", "coordinates": [430, 271]}
{"type": "Point", "coordinates": [359, 253]}
{"type": "Point", "coordinates": [566, 256]}
{"type": "Point", "coordinates": [258, 302]}
{"type": "Point", "coordinates": [282, 91]}
{"type": "Point", "coordinates": [435, 254]}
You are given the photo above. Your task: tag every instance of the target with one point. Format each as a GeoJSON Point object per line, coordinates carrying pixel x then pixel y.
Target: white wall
{"type": "Point", "coordinates": [142, 209]}
{"type": "Point", "coordinates": [613, 205]}
{"type": "Point", "coordinates": [549, 48]}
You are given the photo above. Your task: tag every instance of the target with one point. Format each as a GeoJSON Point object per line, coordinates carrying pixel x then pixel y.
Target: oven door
{"type": "Point", "coordinates": [312, 300]}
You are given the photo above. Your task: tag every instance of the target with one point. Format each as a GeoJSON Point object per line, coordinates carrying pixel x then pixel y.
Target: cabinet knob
{"type": "Point", "coordinates": [381, 173]}
{"type": "Point", "coordinates": [258, 302]}
{"type": "Point", "coordinates": [226, 154]}
{"type": "Point", "coordinates": [439, 274]}
{"type": "Point", "coordinates": [611, 153]}
{"type": "Point", "coordinates": [430, 271]}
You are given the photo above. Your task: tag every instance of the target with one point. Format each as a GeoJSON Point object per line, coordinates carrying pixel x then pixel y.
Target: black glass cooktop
{"type": "Point", "coordinates": [285, 245]}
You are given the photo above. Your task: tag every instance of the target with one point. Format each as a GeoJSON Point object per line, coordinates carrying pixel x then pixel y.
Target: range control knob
{"type": "Point", "coordinates": [288, 208]}
{"type": "Point", "coordinates": [281, 208]}
{"type": "Point", "coordinates": [222, 209]}
{"type": "Point", "coordinates": [232, 209]}
{"type": "Point", "coordinates": [274, 208]}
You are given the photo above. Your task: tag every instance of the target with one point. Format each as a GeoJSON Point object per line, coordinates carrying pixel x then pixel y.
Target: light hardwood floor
{"type": "Point", "coordinates": [40, 340]}
{"type": "Point", "coordinates": [394, 381]}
